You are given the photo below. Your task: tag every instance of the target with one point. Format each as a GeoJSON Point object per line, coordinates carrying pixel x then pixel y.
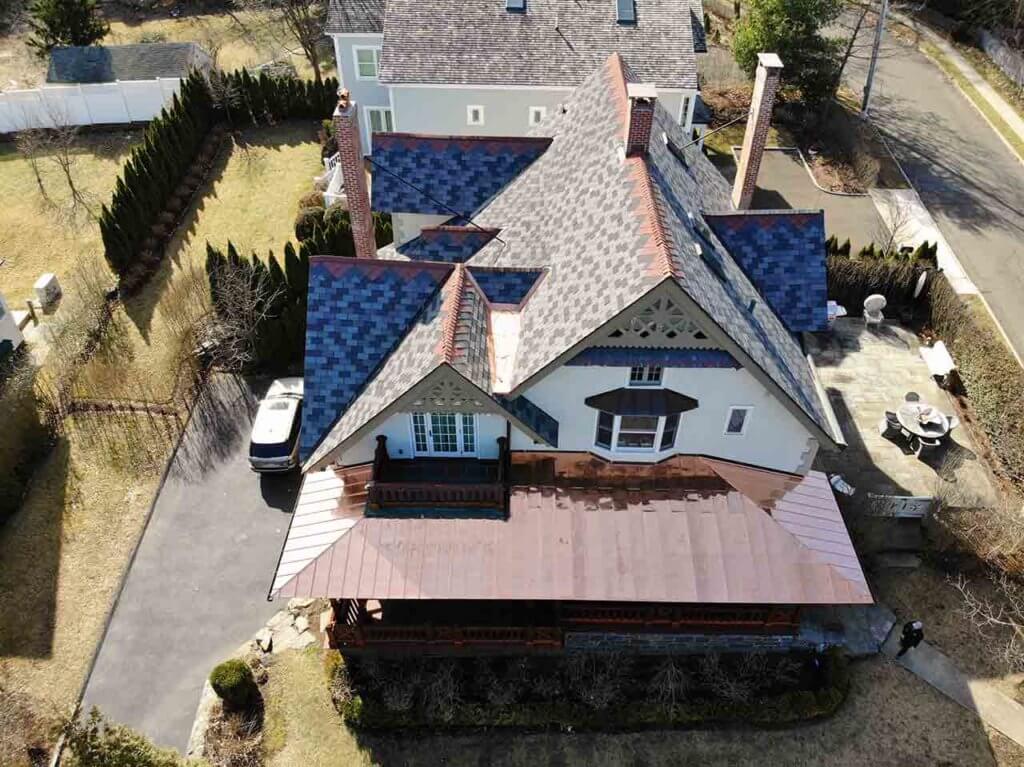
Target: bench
{"type": "Point", "coordinates": [940, 363]}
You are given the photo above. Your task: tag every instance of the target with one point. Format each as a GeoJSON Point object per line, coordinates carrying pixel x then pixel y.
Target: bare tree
{"type": "Point", "coordinates": [895, 225]}
{"type": "Point", "coordinates": [32, 144]}
{"type": "Point", "coordinates": [999, 618]}
{"type": "Point", "coordinates": [669, 683]}
{"type": "Point", "coordinates": [245, 301]}
{"type": "Point", "coordinates": [62, 142]}
{"type": "Point", "coordinates": [303, 20]}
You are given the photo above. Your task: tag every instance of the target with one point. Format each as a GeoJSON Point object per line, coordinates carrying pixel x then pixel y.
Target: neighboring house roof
{"type": "Point", "coordinates": [107, 63]}
{"type": "Point", "coordinates": [555, 43]}
{"type": "Point", "coordinates": [783, 253]}
{"type": "Point", "coordinates": [461, 172]}
{"type": "Point", "coordinates": [601, 233]}
{"type": "Point", "coordinates": [355, 16]}
{"type": "Point", "coordinates": [711, 547]}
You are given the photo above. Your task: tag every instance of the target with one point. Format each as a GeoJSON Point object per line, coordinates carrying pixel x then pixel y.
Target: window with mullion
{"type": "Point", "coordinates": [645, 375]}
{"type": "Point", "coordinates": [636, 433]}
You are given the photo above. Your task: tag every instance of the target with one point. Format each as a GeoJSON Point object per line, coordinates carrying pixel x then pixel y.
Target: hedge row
{"type": "Point", "coordinates": [25, 438]}
{"type": "Point", "coordinates": [150, 195]}
{"type": "Point", "coordinates": [153, 172]}
{"type": "Point", "coordinates": [992, 378]}
{"type": "Point", "coordinates": [783, 708]}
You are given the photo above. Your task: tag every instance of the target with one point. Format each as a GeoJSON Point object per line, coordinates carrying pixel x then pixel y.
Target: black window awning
{"type": "Point", "coordinates": [636, 401]}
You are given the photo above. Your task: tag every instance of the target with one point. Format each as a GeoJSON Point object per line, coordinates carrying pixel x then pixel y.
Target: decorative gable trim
{"type": "Point", "coordinates": [656, 321]}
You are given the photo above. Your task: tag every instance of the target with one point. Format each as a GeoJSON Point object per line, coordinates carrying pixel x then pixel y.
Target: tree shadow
{"type": "Point", "coordinates": [30, 550]}
{"type": "Point", "coordinates": [220, 421]}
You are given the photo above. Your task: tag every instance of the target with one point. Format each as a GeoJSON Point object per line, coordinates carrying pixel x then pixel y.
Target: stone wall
{"type": "Point", "coordinates": [1004, 57]}
{"type": "Point", "coordinates": [684, 644]}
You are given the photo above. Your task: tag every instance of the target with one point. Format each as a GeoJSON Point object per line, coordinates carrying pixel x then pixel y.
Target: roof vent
{"type": "Point", "coordinates": [625, 11]}
{"type": "Point", "coordinates": [515, 6]}
{"type": "Point", "coordinates": [751, 306]}
{"type": "Point", "coordinates": [699, 226]}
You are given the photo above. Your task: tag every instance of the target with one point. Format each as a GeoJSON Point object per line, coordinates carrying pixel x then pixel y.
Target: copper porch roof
{"type": "Point", "coordinates": [580, 544]}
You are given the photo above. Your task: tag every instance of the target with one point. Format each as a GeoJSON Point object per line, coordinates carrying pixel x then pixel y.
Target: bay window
{"type": "Point", "coordinates": [638, 433]}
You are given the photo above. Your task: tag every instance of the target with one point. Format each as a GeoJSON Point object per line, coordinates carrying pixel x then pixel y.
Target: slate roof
{"type": "Point", "coordinates": [354, 16]}
{"type": "Point", "coordinates": [605, 230]}
{"type": "Point", "coordinates": [452, 244]}
{"type": "Point", "coordinates": [107, 63]}
{"type": "Point", "coordinates": [442, 175]}
{"type": "Point", "coordinates": [782, 252]}
{"type": "Point", "coordinates": [555, 42]}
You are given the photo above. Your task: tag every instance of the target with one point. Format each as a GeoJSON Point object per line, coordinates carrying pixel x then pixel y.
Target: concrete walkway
{"type": "Point", "coordinates": [992, 706]}
{"type": "Point", "coordinates": [1008, 114]}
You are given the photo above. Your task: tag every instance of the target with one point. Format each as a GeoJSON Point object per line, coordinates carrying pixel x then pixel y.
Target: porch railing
{"type": "Point", "coordinates": [331, 162]}
{"type": "Point", "coordinates": [678, 617]}
{"type": "Point", "coordinates": [451, 636]}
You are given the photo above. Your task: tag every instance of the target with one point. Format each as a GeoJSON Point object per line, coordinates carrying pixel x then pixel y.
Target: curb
{"type": "Point", "coordinates": [735, 156]}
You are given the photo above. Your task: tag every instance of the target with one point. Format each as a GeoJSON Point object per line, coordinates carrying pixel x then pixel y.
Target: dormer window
{"type": "Point", "coordinates": [515, 6]}
{"type": "Point", "coordinates": [645, 375]}
{"type": "Point", "coordinates": [625, 11]}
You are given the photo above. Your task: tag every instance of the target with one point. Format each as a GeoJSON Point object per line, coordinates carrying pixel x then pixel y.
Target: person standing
{"type": "Point", "coordinates": [912, 636]}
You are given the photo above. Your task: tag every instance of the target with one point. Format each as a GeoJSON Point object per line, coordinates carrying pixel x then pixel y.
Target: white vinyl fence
{"type": "Point", "coordinates": [1005, 57]}
{"type": "Point", "coordinates": [123, 101]}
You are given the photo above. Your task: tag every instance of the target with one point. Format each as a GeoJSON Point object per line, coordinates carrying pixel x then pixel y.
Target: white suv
{"type": "Point", "coordinates": [274, 446]}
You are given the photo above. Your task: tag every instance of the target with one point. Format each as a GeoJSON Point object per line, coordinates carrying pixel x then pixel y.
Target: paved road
{"type": "Point", "coordinates": [198, 587]}
{"type": "Point", "coordinates": [970, 181]}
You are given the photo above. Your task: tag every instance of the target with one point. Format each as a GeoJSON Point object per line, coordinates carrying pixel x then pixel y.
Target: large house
{"type": "Point", "coordinates": [577, 413]}
{"type": "Point", "coordinates": [499, 67]}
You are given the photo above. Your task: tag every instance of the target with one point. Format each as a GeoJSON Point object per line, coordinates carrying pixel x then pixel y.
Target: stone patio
{"type": "Point", "coordinates": [868, 370]}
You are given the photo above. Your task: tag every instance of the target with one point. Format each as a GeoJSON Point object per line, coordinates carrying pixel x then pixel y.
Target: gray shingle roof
{"type": "Point", "coordinates": [556, 42]}
{"type": "Point", "coordinates": [107, 63]}
{"type": "Point", "coordinates": [354, 16]}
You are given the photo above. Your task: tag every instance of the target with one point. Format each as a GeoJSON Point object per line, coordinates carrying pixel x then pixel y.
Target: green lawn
{"type": "Point", "coordinates": [251, 200]}
{"type": "Point", "coordinates": [40, 235]}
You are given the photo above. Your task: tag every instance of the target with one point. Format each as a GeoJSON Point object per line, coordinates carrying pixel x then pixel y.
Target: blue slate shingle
{"type": "Point", "coordinates": [613, 356]}
{"type": "Point", "coordinates": [451, 244]}
{"type": "Point", "coordinates": [505, 286]}
{"type": "Point", "coordinates": [445, 175]}
{"type": "Point", "coordinates": [358, 313]}
{"type": "Point", "coordinates": [783, 254]}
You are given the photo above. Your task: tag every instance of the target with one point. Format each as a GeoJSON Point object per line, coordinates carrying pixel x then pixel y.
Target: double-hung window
{"type": "Point", "coordinates": [636, 433]}
{"type": "Point", "coordinates": [367, 62]}
{"type": "Point", "coordinates": [645, 375]}
{"type": "Point", "coordinates": [379, 119]}
{"type": "Point", "coordinates": [444, 433]}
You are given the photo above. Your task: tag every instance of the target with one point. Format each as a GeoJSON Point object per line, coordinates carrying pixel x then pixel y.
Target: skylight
{"type": "Point", "coordinates": [626, 11]}
{"type": "Point", "coordinates": [515, 6]}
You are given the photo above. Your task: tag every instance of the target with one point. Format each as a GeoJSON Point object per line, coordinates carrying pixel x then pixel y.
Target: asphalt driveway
{"type": "Point", "coordinates": [198, 586]}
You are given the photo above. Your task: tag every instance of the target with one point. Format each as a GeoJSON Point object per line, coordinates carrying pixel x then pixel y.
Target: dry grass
{"type": "Point", "coordinates": [250, 200]}
{"type": "Point", "coordinates": [63, 556]}
{"type": "Point", "coordinates": [36, 237]}
{"type": "Point", "coordinates": [891, 718]}
{"type": "Point", "coordinates": [301, 725]}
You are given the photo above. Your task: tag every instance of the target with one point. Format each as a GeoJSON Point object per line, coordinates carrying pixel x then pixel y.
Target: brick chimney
{"type": "Point", "coordinates": [353, 173]}
{"type": "Point", "coordinates": [766, 83]}
{"type": "Point", "coordinates": [642, 98]}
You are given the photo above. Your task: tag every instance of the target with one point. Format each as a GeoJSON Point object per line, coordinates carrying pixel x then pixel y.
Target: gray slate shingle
{"type": "Point", "coordinates": [107, 63]}
{"type": "Point", "coordinates": [354, 16]}
{"type": "Point", "coordinates": [555, 43]}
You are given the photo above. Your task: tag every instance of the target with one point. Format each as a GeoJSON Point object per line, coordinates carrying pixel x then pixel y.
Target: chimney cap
{"type": "Point", "coordinates": [641, 90]}
{"type": "Point", "coordinates": [769, 60]}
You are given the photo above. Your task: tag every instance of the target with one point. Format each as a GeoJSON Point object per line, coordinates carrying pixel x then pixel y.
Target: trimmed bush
{"type": "Point", "coordinates": [311, 200]}
{"type": "Point", "coordinates": [306, 221]}
{"type": "Point", "coordinates": [233, 682]}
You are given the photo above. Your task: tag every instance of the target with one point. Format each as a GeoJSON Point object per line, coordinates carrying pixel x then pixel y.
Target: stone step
{"type": "Point", "coordinates": [897, 560]}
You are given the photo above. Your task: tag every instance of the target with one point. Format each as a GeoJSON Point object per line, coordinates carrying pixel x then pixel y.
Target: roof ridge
{"type": "Point", "coordinates": [451, 308]}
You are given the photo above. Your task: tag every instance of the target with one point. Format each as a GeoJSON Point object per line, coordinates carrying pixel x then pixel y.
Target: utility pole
{"type": "Point", "coordinates": [879, 30]}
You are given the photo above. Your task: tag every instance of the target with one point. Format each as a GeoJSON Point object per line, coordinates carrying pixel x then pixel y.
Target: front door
{"type": "Point", "coordinates": [444, 434]}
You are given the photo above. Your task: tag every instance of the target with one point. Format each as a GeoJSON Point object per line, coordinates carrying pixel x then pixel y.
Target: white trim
{"type": "Point", "coordinates": [645, 382]}
{"type": "Point", "coordinates": [376, 62]}
{"type": "Point", "coordinates": [469, 115]}
{"type": "Point", "coordinates": [543, 111]}
{"type": "Point", "coordinates": [746, 420]}
{"type": "Point", "coordinates": [691, 108]}
{"type": "Point", "coordinates": [460, 439]}
{"type": "Point", "coordinates": [378, 35]}
{"type": "Point", "coordinates": [655, 448]}
{"type": "Point", "coordinates": [368, 128]}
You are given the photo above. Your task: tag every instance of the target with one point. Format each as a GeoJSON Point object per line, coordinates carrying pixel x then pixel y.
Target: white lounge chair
{"type": "Point", "coordinates": [939, 361]}
{"type": "Point", "coordinates": [873, 306]}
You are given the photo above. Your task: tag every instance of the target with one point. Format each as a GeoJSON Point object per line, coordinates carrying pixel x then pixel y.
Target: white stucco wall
{"type": "Point", "coordinates": [408, 225]}
{"type": "Point", "coordinates": [398, 430]}
{"type": "Point", "coordinates": [773, 438]}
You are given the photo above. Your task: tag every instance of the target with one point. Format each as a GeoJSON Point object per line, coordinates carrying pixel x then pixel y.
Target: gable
{"type": "Point", "coordinates": [359, 310]}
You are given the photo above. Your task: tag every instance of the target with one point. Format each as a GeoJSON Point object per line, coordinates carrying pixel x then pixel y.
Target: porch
{"type": "Point", "coordinates": [438, 486]}
{"type": "Point", "coordinates": [453, 626]}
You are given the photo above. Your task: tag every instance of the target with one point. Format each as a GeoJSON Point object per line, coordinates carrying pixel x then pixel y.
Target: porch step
{"type": "Point", "coordinates": [897, 560]}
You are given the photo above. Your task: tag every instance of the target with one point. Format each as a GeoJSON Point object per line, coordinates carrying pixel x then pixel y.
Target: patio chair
{"type": "Point", "coordinates": [911, 396]}
{"type": "Point", "coordinates": [873, 306]}
{"type": "Point", "coordinates": [954, 421]}
{"type": "Point", "coordinates": [924, 446]}
{"type": "Point", "coordinates": [889, 427]}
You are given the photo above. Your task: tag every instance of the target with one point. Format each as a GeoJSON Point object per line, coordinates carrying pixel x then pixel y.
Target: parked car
{"type": "Point", "coordinates": [274, 446]}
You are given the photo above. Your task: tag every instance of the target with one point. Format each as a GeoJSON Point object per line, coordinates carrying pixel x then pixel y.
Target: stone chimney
{"type": "Point", "coordinates": [766, 83]}
{"type": "Point", "coordinates": [353, 173]}
{"type": "Point", "coordinates": [642, 98]}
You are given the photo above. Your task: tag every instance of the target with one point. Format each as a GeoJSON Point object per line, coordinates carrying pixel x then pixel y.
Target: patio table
{"type": "Point", "coordinates": [922, 419]}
